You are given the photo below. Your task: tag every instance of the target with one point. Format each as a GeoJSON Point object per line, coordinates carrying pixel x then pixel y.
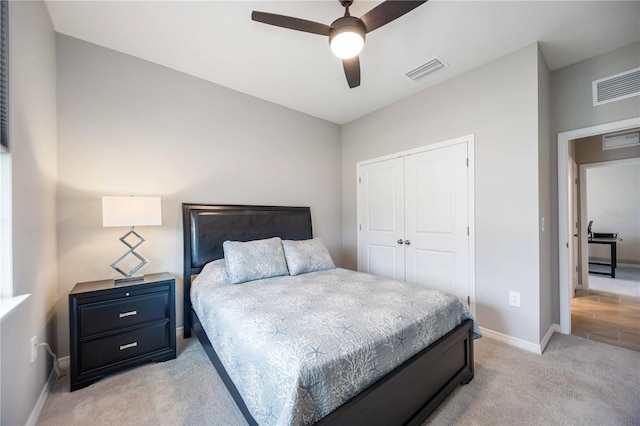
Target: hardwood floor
{"type": "Point", "coordinates": [606, 317]}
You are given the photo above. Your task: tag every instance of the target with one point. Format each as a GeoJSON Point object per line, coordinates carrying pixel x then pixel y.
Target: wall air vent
{"type": "Point", "coordinates": [427, 68]}
{"type": "Point", "coordinates": [616, 87]}
{"type": "Point", "coordinates": [621, 139]}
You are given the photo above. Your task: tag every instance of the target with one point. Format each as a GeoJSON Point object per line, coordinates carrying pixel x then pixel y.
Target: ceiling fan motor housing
{"type": "Point", "coordinates": [347, 24]}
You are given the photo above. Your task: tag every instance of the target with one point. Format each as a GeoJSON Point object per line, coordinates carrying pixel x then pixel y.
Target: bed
{"type": "Point", "coordinates": [406, 395]}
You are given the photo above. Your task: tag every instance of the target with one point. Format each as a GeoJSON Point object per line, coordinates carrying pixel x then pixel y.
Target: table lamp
{"type": "Point", "coordinates": [131, 212]}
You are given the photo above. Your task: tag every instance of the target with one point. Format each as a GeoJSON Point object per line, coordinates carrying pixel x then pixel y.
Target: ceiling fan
{"type": "Point", "coordinates": [346, 34]}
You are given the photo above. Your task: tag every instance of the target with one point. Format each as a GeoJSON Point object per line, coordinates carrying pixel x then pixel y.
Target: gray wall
{"type": "Point", "coordinates": [498, 103]}
{"type": "Point", "coordinates": [127, 126]}
{"type": "Point", "coordinates": [33, 141]}
{"type": "Point", "coordinates": [571, 102]}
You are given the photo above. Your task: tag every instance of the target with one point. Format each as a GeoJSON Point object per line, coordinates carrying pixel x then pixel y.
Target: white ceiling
{"type": "Point", "coordinates": [218, 41]}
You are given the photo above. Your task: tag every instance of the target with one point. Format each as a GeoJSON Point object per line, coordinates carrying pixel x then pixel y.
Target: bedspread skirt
{"type": "Point", "coordinates": [298, 347]}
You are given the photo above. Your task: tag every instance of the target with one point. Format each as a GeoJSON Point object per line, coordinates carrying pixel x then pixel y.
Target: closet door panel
{"type": "Point", "coordinates": [436, 270]}
{"type": "Point", "coordinates": [436, 219]}
{"type": "Point", "coordinates": [381, 219]}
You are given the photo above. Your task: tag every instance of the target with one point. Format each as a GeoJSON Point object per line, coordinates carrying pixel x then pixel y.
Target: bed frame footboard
{"type": "Point", "coordinates": [406, 396]}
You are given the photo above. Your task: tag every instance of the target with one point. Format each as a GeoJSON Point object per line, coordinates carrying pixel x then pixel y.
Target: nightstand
{"type": "Point", "coordinates": [116, 326]}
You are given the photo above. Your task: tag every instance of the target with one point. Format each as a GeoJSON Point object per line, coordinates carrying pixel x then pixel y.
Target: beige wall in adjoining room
{"type": "Point", "coordinates": [613, 203]}
{"type": "Point", "coordinates": [32, 124]}
{"type": "Point", "coordinates": [589, 150]}
{"type": "Point", "coordinates": [131, 127]}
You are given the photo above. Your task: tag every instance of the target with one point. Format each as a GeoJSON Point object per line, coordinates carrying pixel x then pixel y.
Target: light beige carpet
{"type": "Point", "coordinates": [575, 382]}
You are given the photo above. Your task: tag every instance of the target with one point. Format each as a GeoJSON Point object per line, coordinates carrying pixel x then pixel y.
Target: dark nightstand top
{"type": "Point", "coordinates": [91, 286]}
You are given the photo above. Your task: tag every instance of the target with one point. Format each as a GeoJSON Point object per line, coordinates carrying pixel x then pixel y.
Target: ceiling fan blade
{"type": "Point", "coordinates": [291, 23]}
{"type": "Point", "coordinates": [352, 71]}
{"type": "Point", "coordinates": [386, 12]}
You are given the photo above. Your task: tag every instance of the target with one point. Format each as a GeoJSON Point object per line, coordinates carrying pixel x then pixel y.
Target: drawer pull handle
{"type": "Point", "coordinates": [128, 345]}
{"type": "Point", "coordinates": [128, 314]}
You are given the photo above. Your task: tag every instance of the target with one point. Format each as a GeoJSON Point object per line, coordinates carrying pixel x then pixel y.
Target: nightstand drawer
{"type": "Point", "coordinates": [109, 350]}
{"type": "Point", "coordinates": [101, 317]}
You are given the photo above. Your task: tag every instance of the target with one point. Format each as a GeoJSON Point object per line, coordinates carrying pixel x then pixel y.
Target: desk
{"type": "Point", "coordinates": [612, 243]}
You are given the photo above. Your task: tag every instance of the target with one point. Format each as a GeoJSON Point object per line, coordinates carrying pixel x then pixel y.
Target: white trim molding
{"type": "Point", "coordinates": [555, 328]}
{"type": "Point", "coordinates": [9, 304]}
{"type": "Point", "coordinates": [520, 343]}
{"type": "Point", "coordinates": [44, 394]}
{"type": "Point", "coordinates": [64, 363]}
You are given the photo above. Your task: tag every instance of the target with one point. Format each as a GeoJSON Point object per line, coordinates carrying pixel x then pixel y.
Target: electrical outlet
{"type": "Point", "coordinates": [34, 352]}
{"type": "Point", "coordinates": [514, 298]}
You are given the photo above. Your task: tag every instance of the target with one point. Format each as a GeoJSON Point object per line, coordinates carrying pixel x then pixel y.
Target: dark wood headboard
{"type": "Point", "coordinates": [206, 227]}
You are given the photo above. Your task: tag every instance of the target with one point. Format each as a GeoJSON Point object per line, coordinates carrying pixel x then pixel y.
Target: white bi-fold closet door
{"type": "Point", "coordinates": [414, 218]}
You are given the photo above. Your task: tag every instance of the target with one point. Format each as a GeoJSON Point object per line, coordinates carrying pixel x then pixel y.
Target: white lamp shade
{"type": "Point", "coordinates": [131, 211]}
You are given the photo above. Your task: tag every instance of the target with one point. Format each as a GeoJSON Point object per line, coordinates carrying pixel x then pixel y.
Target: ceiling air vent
{"type": "Point", "coordinates": [423, 70]}
{"type": "Point", "coordinates": [616, 87]}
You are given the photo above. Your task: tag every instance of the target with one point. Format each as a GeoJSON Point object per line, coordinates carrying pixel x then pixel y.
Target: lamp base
{"type": "Point", "coordinates": [132, 251]}
{"type": "Point", "coordinates": [128, 279]}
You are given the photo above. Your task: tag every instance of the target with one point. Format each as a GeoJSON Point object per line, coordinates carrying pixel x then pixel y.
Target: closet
{"type": "Point", "coordinates": [415, 214]}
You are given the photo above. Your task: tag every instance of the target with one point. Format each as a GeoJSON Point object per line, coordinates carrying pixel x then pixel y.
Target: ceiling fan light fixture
{"type": "Point", "coordinates": [347, 37]}
{"type": "Point", "coordinates": [347, 44]}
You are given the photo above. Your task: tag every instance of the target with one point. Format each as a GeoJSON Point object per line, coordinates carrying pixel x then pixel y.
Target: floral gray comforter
{"type": "Point", "coordinates": [298, 347]}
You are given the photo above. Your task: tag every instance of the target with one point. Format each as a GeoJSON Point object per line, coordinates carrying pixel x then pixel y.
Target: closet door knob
{"type": "Point", "coordinates": [407, 242]}
{"type": "Point", "coordinates": [399, 241]}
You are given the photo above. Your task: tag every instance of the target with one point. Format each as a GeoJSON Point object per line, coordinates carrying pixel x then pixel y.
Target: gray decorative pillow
{"type": "Point", "coordinates": [254, 260]}
{"type": "Point", "coordinates": [307, 256]}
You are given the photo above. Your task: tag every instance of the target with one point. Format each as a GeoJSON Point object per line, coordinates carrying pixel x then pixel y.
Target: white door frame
{"type": "Point", "coordinates": [469, 140]}
{"type": "Point", "coordinates": [573, 210]}
{"type": "Point", "coordinates": [564, 218]}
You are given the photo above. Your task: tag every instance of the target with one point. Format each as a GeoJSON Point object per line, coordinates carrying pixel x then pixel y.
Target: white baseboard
{"type": "Point", "coordinates": [35, 413]}
{"type": "Point", "coordinates": [629, 265]}
{"type": "Point", "coordinates": [555, 328]}
{"type": "Point", "coordinates": [520, 343]}
{"type": "Point", "coordinates": [179, 332]}
{"type": "Point", "coordinates": [64, 363]}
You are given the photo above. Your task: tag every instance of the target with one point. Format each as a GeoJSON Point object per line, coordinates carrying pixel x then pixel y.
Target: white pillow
{"type": "Point", "coordinates": [307, 256]}
{"type": "Point", "coordinates": [254, 260]}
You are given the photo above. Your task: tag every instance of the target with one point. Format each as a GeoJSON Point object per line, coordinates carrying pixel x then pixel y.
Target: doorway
{"type": "Point", "coordinates": [607, 304]}
{"type": "Point", "coordinates": [565, 218]}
